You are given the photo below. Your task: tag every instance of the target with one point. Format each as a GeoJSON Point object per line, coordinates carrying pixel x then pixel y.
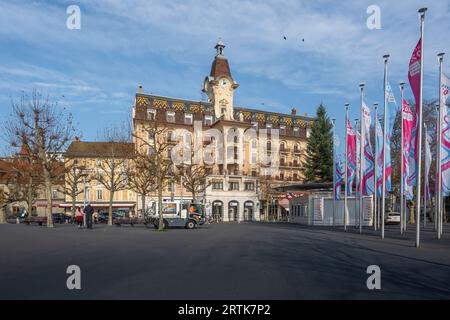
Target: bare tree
{"type": "Point", "coordinates": [3, 204]}
{"type": "Point", "coordinates": [48, 130]}
{"type": "Point", "coordinates": [111, 172]}
{"type": "Point", "coordinates": [75, 175]}
{"type": "Point", "coordinates": [194, 176]}
{"type": "Point", "coordinates": [20, 182]}
{"type": "Point", "coordinates": [153, 140]}
{"type": "Point", "coordinates": [266, 183]}
{"type": "Point", "coordinates": [141, 178]}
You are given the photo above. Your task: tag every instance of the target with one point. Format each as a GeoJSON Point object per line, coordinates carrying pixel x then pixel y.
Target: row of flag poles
{"type": "Point", "coordinates": [370, 168]}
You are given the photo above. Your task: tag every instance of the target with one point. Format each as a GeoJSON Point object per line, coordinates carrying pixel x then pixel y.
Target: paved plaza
{"type": "Point", "coordinates": [221, 261]}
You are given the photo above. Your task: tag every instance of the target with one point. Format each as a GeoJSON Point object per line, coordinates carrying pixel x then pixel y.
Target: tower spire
{"type": "Point", "coordinates": [219, 48]}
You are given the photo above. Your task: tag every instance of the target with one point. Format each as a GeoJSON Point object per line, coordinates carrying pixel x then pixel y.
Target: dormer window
{"type": "Point", "coordinates": [296, 131]}
{"type": "Point", "coordinates": [170, 116]}
{"type": "Point", "coordinates": [208, 120]}
{"type": "Point", "coordinates": [268, 126]}
{"type": "Point", "coordinates": [283, 130]}
{"type": "Point", "coordinates": [188, 118]}
{"type": "Point", "coordinates": [151, 114]}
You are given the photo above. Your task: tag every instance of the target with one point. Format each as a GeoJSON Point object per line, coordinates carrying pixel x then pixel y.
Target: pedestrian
{"type": "Point", "coordinates": [79, 217]}
{"type": "Point", "coordinates": [88, 212]}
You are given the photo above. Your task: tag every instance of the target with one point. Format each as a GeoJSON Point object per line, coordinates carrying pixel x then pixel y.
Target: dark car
{"type": "Point", "coordinates": [103, 216]}
{"type": "Point", "coordinates": [59, 218]}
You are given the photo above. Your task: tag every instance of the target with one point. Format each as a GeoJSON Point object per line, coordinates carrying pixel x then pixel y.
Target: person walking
{"type": "Point", "coordinates": [88, 212]}
{"type": "Point", "coordinates": [79, 217]}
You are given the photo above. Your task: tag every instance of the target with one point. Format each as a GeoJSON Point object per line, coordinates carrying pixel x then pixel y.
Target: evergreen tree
{"type": "Point", "coordinates": [319, 152]}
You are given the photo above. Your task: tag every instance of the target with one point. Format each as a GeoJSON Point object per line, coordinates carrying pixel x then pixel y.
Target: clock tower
{"type": "Point", "coordinates": [220, 86]}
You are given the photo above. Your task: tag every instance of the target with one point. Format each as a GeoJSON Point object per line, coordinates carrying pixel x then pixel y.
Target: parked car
{"type": "Point", "coordinates": [102, 217]}
{"type": "Point", "coordinates": [59, 218]}
{"type": "Point", "coordinates": [392, 218]}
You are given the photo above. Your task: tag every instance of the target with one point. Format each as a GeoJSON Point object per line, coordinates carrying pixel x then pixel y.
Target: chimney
{"type": "Point", "coordinates": [293, 111]}
{"type": "Point", "coordinates": [306, 114]}
{"type": "Point", "coordinates": [139, 89]}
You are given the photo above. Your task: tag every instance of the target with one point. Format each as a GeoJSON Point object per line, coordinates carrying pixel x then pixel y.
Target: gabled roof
{"type": "Point", "coordinates": [123, 150]}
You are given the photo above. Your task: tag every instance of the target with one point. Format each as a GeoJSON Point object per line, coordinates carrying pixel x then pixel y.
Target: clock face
{"type": "Point", "coordinates": [223, 83]}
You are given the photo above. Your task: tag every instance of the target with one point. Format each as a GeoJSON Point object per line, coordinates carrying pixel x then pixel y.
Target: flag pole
{"type": "Point", "coordinates": [375, 194]}
{"type": "Point", "coordinates": [385, 131]}
{"type": "Point", "coordinates": [425, 182]}
{"type": "Point", "coordinates": [361, 155]}
{"type": "Point", "coordinates": [346, 171]}
{"type": "Point", "coordinates": [439, 151]}
{"type": "Point", "coordinates": [356, 168]}
{"type": "Point", "coordinates": [438, 157]}
{"type": "Point", "coordinates": [419, 127]}
{"type": "Point", "coordinates": [334, 171]}
{"type": "Point", "coordinates": [402, 183]}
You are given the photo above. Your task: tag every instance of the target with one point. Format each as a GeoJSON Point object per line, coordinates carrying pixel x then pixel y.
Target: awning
{"type": "Point", "coordinates": [43, 203]}
{"type": "Point", "coordinates": [101, 205]}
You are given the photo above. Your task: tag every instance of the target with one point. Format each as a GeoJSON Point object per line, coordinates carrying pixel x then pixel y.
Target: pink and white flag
{"type": "Point", "coordinates": [351, 159]}
{"type": "Point", "coordinates": [358, 163]}
{"type": "Point", "coordinates": [409, 122]}
{"type": "Point", "coordinates": [428, 141]}
{"type": "Point", "coordinates": [367, 162]}
{"type": "Point", "coordinates": [414, 81]}
{"type": "Point", "coordinates": [445, 135]}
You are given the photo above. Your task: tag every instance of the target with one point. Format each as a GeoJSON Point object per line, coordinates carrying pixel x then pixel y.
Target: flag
{"type": "Point", "coordinates": [427, 164]}
{"type": "Point", "coordinates": [445, 136]}
{"type": "Point", "coordinates": [351, 160]}
{"type": "Point", "coordinates": [338, 177]}
{"type": "Point", "coordinates": [367, 161]}
{"type": "Point", "coordinates": [392, 111]}
{"type": "Point", "coordinates": [414, 82]}
{"type": "Point", "coordinates": [379, 156]}
{"type": "Point", "coordinates": [358, 163]}
{"type": "Point", "coordinates": [408, 125]}
{"type": "Point", "coordinates": [414, 71]}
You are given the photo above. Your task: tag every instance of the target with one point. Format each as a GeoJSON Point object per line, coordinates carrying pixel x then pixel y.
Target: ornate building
{"type": "Point", "coordinates": [239, 184]}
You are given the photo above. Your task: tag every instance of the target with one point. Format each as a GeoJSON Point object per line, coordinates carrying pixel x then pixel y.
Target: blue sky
{"type": "Point", "coordinates": [167, 47]}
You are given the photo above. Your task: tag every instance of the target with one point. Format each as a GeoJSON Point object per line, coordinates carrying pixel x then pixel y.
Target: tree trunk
{"type": "Point", "coordinates": [74, 203]}
{"type": "Point", "coordinates": [110, 210]}
{"type": "Point", "coordinates": [48, 193]}
{"type": "Point", "coordinates": [143, 205]}
{"type": "Point", "coordinates": [161, 218]}
{"type": "Point", "coordinates": [30, 197]}
{"type": "Point", "coordinates": [2, 214]}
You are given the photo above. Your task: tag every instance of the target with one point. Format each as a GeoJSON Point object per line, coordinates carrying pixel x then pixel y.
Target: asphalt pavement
{"type": "Point", "coordinates": [221, 261]}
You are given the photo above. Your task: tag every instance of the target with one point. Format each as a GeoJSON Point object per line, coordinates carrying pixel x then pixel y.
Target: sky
{"type": "Point", "coordinates": [168, 47]}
